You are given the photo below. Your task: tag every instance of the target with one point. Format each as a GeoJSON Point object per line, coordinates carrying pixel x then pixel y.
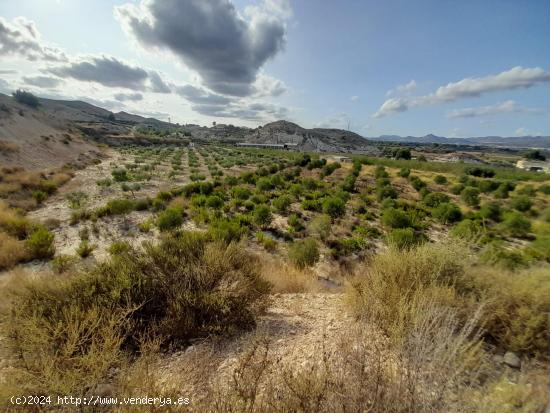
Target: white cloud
{"type": "Point", "coordinates": [522, 132]}
{"type": "Point", "coordinates": [354, 98]}
{"type": "Point", "coordinates": [515, 78]}
{"type": "Point", "coordinates": [403, 89]}
{"type": "Point", "coordinates": [508, 106]}
{"type": "Point", "coordinates": [20, 38]}
{"type": "Point", "coordinates": [336, 121]}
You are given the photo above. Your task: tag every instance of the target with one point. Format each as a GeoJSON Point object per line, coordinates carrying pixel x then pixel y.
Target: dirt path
{"type": "Point", "coordinates": [57, 207]}
{"type": "Point", "coordinates": [298, 327]}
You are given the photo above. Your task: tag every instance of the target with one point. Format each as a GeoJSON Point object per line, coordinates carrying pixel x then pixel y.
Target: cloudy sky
{"type": "Point", "coordinates": [453, 68]}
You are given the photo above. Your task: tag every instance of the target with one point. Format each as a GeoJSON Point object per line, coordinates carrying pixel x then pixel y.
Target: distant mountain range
{"type": "Point", "coordinates": [509, 142]}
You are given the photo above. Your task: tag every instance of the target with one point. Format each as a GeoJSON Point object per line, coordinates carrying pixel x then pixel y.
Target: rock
{"type": "Point", "coordinates": [498, 359]}
{"type": "Point", "coordinates": [511, 359]}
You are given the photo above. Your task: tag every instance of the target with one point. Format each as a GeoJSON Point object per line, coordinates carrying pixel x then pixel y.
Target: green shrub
{"type": "Point", "coordinates": [433, 199]}
{"type": "Point", "coordinates": [457, 189]}
{"type": "Point", "coordinates": [404, 238]}
{"type": "Point", "coordinates": [241, 193]}
{"type": "Point", "coordinates": [40, 243]}
{"type": "Point", "coordinates": [480, 172]}
{"type": "Point", "coordinates": [170, 218]}
{"type": "Point", "coordinates": [494, 253]}
{"type": "Point", "coordinates": [145, 226]}
{"type": "Point", "coordinates": [282, 203]}
{"type": "Point", "coordinates": [417, 183]}
{"type": "Point", "coordinates": [504, 189]}
{"type": "Point", "coordinates": [264, 184]}
{"type": "Point", "coordinates": [26, 98]}
{"type": "Point", "coordinates": [119, 247]}
{"type": "Point", "coordinates": [491, 210]}
{"type": "Point", "coordinates": [540, 248]}
{"type": "Point", "coordinates": [545, 215]}
{"type": "Point", "coordinates": [515, 224]}
{"type": "Point", "coordinates": [349, 183]}
{"type": "Point", "coordinates": [84, 249]}
{"type": "Point", "coordinates": [262, 215]}
{"type": "Point", "coordinates": [267, 242]}
{"type": "Point", "coordinates": [120, 175]}
{"type": "Point", "coordinates": [440, 179]}
{"type": "Point", "coordinates": [63, 263]}
{"type": "Point", "coordinates": [468, 229]}
{"type": "Point", "coordinates": [470, 196]}
{"type": "Point", "coordinates": [39, 196]}
{"type": "Point", "coordinates": [528, 190]}
{"type": "Point", "coordinates": [320, 226]}
{"type": "Point", "coordinates": [380, 172]}
{"type": "Point", "coordinates": [304, 253]}
{"type": "Point", "coordinates": [395, 218]}
{"type": "Point", "coordinates": [214, 202]}
{"type": "Point", "coordinates": [521, 203]}
{"type": "Point", "coordinates": [77, 199]}
{"type": "Point", "coordinates": [120, 206]}
{"type": "Point", "coordinates": [227, 231]}
{"type": "Point", "coordinates": [447, 212]}
{"type": "Point", "coordinates": [329, 168]}
{"type": "Point", "coordinates": [545, 189]}
{"type": "Point", "coordinates": [404, 172]}
{"type": "Point", "coordinates": [487, 185]}
{"type": "Point", "coordinates": [312, 205]}
{"type": "Point", "coordinates": [334, 207]}
{"type": "Point", "coordinates": [386, 192]}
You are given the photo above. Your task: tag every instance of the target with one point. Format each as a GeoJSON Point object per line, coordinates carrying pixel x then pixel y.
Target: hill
{"type": "Point", "coordinates": [541, 142]}
{"type": "Point", "coordinates": [41, 138]}
{"type": "Point", "coordinates": [317, 139]}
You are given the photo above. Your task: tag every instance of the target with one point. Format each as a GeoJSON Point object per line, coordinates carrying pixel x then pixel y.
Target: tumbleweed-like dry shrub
{"type": "Point", "coordinates": [366, 372]}
{"type": "Point", "coordinates": [67, 332]}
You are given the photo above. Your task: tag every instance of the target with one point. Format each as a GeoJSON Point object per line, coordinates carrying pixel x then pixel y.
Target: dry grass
{"type": "Point", "coordinates": [394, 288]}
{"type": "Point", "coordinates": [517, 314]}
{"type": "Point", "coordinates": [12, 251]}
{"type": "Point", "coordinates": [397, 283]}
{"type": "Point", "coordinates": [365, 373]}
{"type": "Point", "coordinates": [287, 278]}
{"type": "Point", "coordinates": [8, 147]}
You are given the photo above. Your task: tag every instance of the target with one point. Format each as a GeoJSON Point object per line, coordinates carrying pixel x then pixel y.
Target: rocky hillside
{"type": "Point", "coordinates": [38, 139]}
{"type": "Point", "coordinates": [325, 140]}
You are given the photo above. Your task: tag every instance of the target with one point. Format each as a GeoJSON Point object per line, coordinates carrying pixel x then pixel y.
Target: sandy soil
{"type": "Point", "coordinates": [297, 326]}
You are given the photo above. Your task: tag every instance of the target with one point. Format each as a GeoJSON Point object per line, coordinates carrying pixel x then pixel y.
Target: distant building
{"type": "Point", "coordinates": [268, 145]}
{"type": "Point", "coordinates": [537, 166]}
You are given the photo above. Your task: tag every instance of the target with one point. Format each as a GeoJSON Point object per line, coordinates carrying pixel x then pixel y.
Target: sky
{"type": "Point", "coordinates": [397, 67]}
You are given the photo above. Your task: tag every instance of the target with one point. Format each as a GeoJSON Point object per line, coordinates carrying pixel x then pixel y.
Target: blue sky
{"type": "Point", "coordinates": [376, 66]}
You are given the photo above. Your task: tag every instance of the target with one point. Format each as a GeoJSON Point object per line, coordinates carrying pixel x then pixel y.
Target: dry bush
{"type": "Point", "coordinates": [142, 377]}
{"type": "Point", "coordinates": [395, 285]}
{"type": "Point", "coordinates": [8, 147]}
{"type": "Point", "coordinates": [12, 251]}
{"type": "Point", "coordinates": [365, 372]}
{"type": "Point", "coordinates": [60, 178]}
{"type": "Point", "coordinates": [517, 314]}
{"type": "Point", "coordinates": [67, 333]}
{"type": "Point", "coordinates": [526, 394]}
{"type": "Point", "coordinates": [287, 278]}
{"type": "Point", "coordinates": [12, 222]}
